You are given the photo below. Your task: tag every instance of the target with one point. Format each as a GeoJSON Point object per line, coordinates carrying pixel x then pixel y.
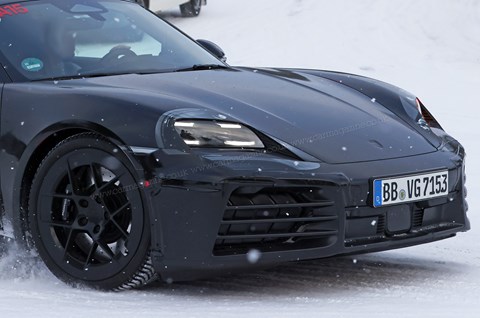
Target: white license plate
{"type": "Point", "coordinates": [390, 191]}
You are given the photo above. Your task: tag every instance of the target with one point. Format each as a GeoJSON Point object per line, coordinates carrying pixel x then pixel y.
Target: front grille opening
{"type": "Point", "coordinates": [381, 224]}
{"type": "Point", "coordinates": [424, 219]}
{"type": "Point", "coordinates": [275, 219]}
{"type": "Point", "coordinates": [417, 219]}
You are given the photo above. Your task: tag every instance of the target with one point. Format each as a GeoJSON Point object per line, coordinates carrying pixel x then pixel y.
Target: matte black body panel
{"type": "Point", "coordinates": [192, 222]}
{"type": "Point", "coordinates": [313, 115]}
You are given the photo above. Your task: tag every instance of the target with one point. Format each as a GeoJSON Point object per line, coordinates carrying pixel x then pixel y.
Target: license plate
{"type": "Point", "coordinates": [390, 191]}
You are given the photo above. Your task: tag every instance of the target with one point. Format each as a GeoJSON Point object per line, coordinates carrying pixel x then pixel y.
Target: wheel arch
{"type": "Point", "coordinates": [36, 150]}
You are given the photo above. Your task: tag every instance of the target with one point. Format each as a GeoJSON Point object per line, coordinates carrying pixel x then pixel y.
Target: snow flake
{"type": "Point", "coordinates": [253, 256]}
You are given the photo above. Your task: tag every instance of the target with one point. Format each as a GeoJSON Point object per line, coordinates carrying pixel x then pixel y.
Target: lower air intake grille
{"type": "Point", "coordinates": [417, 218]}
{"type": "Point", "coordinates": [273, 219]}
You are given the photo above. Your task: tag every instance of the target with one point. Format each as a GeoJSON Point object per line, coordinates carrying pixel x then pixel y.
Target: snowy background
{"type": "Point", "coordinates": [429, 47]}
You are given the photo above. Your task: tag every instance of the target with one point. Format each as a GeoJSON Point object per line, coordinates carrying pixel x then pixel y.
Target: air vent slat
{"type": "Point", "coordinates": [277, 235]}
{"type": "Point", "coordinates": [281, 206]}
{"type": "Point", "coordinates": [287, 220]}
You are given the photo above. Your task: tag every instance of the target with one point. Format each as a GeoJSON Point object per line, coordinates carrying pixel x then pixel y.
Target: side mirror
{"type": "Point", "coordinates": [214, 49]}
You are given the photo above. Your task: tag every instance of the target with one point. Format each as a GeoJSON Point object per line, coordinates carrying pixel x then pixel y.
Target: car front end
{"type": "Point", "coordinates": [219, 210]}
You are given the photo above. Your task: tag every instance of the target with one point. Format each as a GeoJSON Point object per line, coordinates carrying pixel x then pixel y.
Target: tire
{"type": "Point", "coordinates": [143, 3]}
{"type": "Point", "coordinates": [87, 218]}
{"type": "Point", "coordinates": [191, 8]}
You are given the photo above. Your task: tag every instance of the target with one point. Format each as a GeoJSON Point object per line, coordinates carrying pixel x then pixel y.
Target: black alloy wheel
{"type": "Point", "coordinates": [191, 8]}
{"type": "Point", "coordinates": [87, 218]}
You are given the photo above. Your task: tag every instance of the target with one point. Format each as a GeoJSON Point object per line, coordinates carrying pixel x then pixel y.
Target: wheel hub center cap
{"type": "Point", "coordinates": [90, 211]}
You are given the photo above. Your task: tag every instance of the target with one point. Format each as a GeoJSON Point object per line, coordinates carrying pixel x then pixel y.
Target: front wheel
{"type": "Point", "coordinates": [87, 217]}
{"type": "Point", "coordinates": [191, 8]}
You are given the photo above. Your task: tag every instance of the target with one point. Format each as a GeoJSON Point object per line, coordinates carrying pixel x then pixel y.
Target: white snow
{"type": "Point", "coordinates": [428, 47]}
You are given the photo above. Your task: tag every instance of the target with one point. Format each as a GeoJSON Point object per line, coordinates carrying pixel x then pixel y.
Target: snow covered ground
{"type": "Point", "coordinates": [429, 47]}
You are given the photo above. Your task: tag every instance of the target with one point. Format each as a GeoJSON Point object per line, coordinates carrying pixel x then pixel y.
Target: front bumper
{"type": "Point", "coordinates": [227, 215]}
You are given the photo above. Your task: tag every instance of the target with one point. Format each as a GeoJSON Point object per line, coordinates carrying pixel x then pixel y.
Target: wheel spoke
{"type": "Point", "coordinates": [59, 224]}
{"type": "Point", "coordinates": [71, 178]}
{"type": "Point", "coordinates": [125, 234]}
{"type": "Point", "coordinates": [106, 249]}
{"type": "Point", "coordinates": [120, 209]}
{"type": "Point", "coordinates": [90, 254]}
{"type": "Point", "coordinates": [68, 243]}
{"type": "Point", "coordinates": [96, 175]}
{"type": "Point", "coordinates": [59, 196]}
{"type": "Point", "coordinates": [110, 183]}
{"type": "Point", "coordinates": [86, 180]}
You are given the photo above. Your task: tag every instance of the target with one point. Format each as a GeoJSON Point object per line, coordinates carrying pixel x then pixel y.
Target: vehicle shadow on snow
{"type": "Point", "coordinates": [326, 276]}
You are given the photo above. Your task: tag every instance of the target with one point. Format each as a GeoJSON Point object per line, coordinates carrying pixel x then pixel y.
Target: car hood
{"type": "Point", "coordinates": [323, 118]}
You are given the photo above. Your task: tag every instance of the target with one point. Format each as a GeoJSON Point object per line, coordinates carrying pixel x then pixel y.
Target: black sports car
{"type": "Point", "coordinates": [130, 150]}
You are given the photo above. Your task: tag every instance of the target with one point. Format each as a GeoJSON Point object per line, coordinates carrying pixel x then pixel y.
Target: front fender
{"type": "Point", "coordinates": [27, 134]}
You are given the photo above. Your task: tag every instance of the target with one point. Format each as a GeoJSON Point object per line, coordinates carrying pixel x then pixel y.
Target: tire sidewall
{"type": "Point", "coordinates": [69, 145]}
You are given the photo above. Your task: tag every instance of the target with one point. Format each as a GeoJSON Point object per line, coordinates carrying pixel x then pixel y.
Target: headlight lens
{"type": "Point", "coordinates": [217, 134]}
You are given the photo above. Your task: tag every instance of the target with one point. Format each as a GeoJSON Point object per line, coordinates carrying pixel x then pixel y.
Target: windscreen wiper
{"type": "Point", "coordinates": [202, 67]}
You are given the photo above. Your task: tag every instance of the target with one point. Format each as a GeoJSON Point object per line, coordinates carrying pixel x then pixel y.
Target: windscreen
{"type": "Point", "coordinates": [53, 39]}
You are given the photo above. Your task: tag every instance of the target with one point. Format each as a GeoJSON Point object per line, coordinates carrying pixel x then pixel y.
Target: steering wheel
{"type": "Point", "coordinates": [117, 53]}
